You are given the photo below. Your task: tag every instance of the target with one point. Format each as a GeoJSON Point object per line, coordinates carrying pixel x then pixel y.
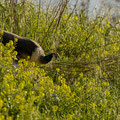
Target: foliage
{"type": "Point", "coordinates": [82, 85]}
{"type": "Point", "coordinates": [26, 92]}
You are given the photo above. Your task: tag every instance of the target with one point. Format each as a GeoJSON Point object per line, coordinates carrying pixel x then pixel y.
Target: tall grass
{"type": "Point", "coordinates": [83, 84]}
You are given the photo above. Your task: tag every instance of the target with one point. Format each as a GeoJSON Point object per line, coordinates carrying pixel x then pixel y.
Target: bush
{"type": "Point", "coordinates": [26, 92]}
{"type": "Point", "coordinates": [83, 84]}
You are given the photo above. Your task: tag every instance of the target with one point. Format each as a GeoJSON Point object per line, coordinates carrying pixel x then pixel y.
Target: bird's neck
{"type": "Point", "coordinates": [46, 59]}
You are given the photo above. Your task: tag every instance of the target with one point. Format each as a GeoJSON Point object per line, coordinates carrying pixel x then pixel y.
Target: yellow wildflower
{"type": "Point", "coordinates": [97, 67]}
{"type": "Point", "coordinates": [51, 91]}
{"type": "Point", "coordinates": [69, 117]}
{"type": "Point", "coordinates": [93, 105]}
{"type": "Point", "coordinates": [108, 23]}
{"type": "Point", "coordinates": [55, 108]}
{"type": "Point", "coordinates": [58, 69]}
{"type": "Point", "coordinates": [84, 78]}
{"type": "Point", "coordinates": [91, 37]}
{"type": "Point", "coordinates": [81, 75]}
{"type": "Point", "coordinates": [105, 83]}
{"type": "Point", "coordinates": [4, 109]}
{"type": "Point", "coordinates": [21, 107]}
{"type": "Point", "coordinates": [83, 55]}
{"type": "Point", "coordinates": [2, 117]}
{"type": "Point", "coordinates": [1, 32]}
{"type": "Point", "coordinates": [99, 89]}
{"type": "Point", "coordinates": [107, 93]}
{"type": "Point", "coordinates": [42, 94]}
{"type": "Point", "coordinates": [87, 56]}
{"type": "Point", "coordinates": [93, 80]}
{"type": "Point", "coordinates": [105, 52]}
{"type": "Point", "coordinates": [75, 18]}
{"type": "Point", "coordinates": [80, 88]}
{"type": "Point", "coordinates": [1, 103]}
{"type": "Point", "coordinates": [117, 48]}
{"type": "Point", "coordinates": [9, 118]}
{"type": "Point", "coordinates": [15, 39]}
{"type": "Point", "coordinates": [65, 16]}
{"type": "Point", "coordinates": [100, 30]}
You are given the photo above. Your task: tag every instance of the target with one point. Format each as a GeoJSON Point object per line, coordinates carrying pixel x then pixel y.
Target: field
{"type": "Point", "coordinates": [82, 84]}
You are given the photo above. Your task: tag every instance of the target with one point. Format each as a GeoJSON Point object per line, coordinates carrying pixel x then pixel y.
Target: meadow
{"type": "Point", "coordinates": [82, 84]}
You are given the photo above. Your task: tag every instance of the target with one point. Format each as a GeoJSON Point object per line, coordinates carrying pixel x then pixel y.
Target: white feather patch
{"type": "Point", "coordinates": [36, 54]}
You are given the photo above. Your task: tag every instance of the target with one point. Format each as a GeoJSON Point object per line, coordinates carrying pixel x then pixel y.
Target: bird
{"type": "Point", "coordinates": [26, 47]}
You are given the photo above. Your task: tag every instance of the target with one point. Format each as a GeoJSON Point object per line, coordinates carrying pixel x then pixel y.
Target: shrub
{"type": "Point", "coordinates": [82, 85]}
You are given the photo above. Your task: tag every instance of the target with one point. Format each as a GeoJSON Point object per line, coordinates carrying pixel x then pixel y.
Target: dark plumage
{"type": "Point", "coordinates": [26, 47]}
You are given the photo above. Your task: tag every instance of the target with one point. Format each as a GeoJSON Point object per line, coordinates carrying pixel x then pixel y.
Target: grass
{"type": "Point", "coordinates": [83, 84]}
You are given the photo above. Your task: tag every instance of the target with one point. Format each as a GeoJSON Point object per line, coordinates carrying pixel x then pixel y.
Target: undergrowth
{"type": "Point", "coordinates": [83, 84]}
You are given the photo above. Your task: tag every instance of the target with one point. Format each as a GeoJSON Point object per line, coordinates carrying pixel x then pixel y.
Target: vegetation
{"type": "Point", "coordinates": [83, 84]}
